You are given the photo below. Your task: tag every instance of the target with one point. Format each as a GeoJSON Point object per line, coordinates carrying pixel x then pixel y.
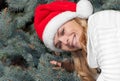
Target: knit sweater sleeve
{"type": "Point", "coordinates": [104, 42]}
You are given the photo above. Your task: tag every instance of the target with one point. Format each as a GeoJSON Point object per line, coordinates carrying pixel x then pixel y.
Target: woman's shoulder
{"type": "Point", "coordinates": [104, 18]}
{"type": "Point", "coordinates": [105, 12]}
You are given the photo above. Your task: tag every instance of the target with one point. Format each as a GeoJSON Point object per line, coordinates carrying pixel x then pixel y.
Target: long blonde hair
{"type": "Point", "coordinates": [80, 57]}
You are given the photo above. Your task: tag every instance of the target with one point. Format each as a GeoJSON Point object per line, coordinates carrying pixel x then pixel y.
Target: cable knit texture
{"type": "Point", "coordinates": [104, 44]}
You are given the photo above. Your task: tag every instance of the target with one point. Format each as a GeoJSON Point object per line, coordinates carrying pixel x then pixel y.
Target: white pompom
{"type": "Point", "coordinates": [84, 9]}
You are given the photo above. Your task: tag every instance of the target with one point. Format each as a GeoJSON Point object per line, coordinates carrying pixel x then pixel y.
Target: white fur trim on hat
{"type": "Point", "coordinates": [52, 27]}
{"type": "Point", "coordinates": [84, 8]}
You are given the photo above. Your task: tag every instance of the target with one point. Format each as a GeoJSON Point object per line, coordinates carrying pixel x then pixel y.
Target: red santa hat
{"type": "Point", "coordinates": [49, 17]}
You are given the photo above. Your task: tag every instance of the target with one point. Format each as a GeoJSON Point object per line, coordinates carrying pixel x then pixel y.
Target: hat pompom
{"type": "Point", "coordinates": [84, 9]}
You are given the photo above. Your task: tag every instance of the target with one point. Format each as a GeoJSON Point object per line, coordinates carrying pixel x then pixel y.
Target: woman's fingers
{"type": "Point", "coordinates": [53, 62]}
{"type": "Point", "coordinates": [56, 63]}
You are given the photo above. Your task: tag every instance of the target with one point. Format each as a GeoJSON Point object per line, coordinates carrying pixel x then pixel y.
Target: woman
{"type": "Point", "coordinates": [93, 39]}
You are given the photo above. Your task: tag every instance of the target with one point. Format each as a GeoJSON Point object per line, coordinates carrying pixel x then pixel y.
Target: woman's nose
{"type": "Point", "coordinates": [64, 40]}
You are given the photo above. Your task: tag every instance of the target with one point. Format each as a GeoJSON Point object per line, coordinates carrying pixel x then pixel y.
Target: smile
{"type": "Point", "coordinates": [73, 44]}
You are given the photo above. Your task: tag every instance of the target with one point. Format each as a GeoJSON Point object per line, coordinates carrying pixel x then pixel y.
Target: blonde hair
{"type": "Point", "coordinates": [80, 57]}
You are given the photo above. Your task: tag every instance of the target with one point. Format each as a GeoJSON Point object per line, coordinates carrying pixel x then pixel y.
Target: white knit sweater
{"type": "Point", "coordinates": [103, 44]}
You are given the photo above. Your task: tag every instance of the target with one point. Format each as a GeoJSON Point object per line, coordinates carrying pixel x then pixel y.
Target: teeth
{"type": "Point", "coordinates": [73, 43]}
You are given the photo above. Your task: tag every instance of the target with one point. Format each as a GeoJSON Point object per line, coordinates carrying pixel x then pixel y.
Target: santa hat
{"type": "Point", "coordinates": [49, 17]}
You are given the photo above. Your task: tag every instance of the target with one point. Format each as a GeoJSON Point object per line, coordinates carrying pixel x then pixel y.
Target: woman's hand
{"type": "Point", "coordinates": [56, 64]}
{"type": "Point", "coordinates": [66, 64]}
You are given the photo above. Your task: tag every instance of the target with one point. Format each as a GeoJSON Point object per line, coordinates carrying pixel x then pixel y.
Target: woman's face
{"type": "Point", "coordinates": [68, 36]}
